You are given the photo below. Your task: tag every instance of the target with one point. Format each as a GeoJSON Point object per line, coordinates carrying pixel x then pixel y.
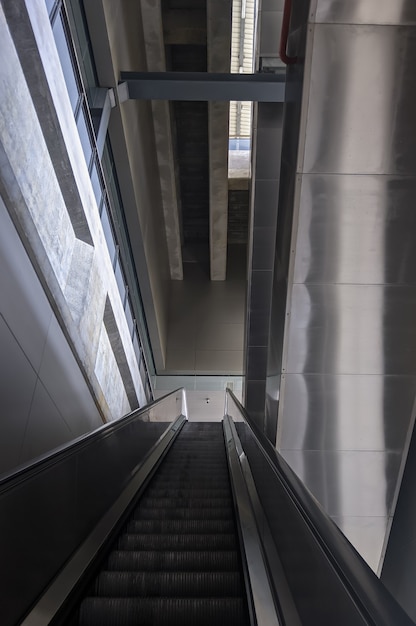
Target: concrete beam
{"type": "Point", "coordinates": [185, 26]}
{"type": "Point", "coordinates": [155, 57]}
{"type": "Point", "coordinates": [219, 60]}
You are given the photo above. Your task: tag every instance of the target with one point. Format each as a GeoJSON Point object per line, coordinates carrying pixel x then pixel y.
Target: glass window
{"type": "Point", "coordinates": [84, 135]}
{"type": "Point", "coordinates": [136, 347]}
{"type": "Point", "coordinates": [142, 370]}
{"type": "Point", "coordinates": [66, 62]}
{"type": "Point", "coordinates": [129, 316]}
{"type": "Point", "coordinates": [96, 183]}
{"type": "Point", "coordinates": [121, 283]}
{"type": "Point", "coordinates": [108, 234]}
{"type": "Point", "coordinates": [49, 5]}
{"type": "Point", "coordinates": [148, 391]}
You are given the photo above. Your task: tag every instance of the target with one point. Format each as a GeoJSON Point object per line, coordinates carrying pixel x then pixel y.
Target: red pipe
{"type": "Point", "coordinates": [287, 11]}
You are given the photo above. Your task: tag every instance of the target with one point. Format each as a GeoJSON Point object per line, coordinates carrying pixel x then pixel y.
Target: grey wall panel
{"type": "Point", "coordinates": [356, 229]}
{"type": "Point", "coordinates": [66, 386]}
{"type": "Point", "coordinates": [268, 158]}
{"type": "Point", "coordinates": [366, 11]}
{"type": "Point", "coordinates": [17, 278]}
{"type": "Point", "coordinates": [362, 92]}
{"type": "Point", "coordinates": [17, 385]}
{"type": "Point", "coordinates": [352, 329]}
{"type": "Point", "coordinates": [46, 429]}
{"type": "Point", "coordinates": [346, 412]}
{"type": "Point", "coordinates": [265, 202]}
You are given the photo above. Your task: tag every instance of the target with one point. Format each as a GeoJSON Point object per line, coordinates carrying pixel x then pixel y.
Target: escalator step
{"type": "Point", "coordinates": [169, 561]}
{"type": "Point", "coordinates": [190, 526]}
{"type": "Point", "coordinates": [162, 611]}
{"type": "Point", "coordinates": [204, 482]}
{"type": "Point", "coordinates": [181, 513]}
{"type": "Point", "coordinates": [184, 492]}
{"type": "Point", "coordinates": [172, 584]}
{"type": "Point", "coordinates": [175, 503]}
{"type": "Point", "coordinates": [176, 542]}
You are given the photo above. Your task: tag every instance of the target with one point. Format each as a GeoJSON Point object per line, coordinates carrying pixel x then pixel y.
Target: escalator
{"type": "Point", "coordinates": [155, 520]}
{"type": "Point", "coordinates": [177, 560]}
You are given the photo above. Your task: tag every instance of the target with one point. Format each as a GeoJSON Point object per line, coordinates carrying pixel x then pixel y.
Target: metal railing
{"type": "Point", "coordinates": [329, 581]}
{"type": "Point", "coordinates": [51, 508]}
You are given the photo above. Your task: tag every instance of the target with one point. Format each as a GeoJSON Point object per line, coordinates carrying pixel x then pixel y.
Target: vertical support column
{"type": "Point", "coordinates": [219, 46]}
{"type": "Point", "coordinates": [155, 58]}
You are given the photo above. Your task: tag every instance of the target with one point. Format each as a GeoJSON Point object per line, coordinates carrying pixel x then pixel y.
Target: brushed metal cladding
{"type": "Point", "coordinates": [361, 100]}
{"type": "Point", "coordinates": [356, 229]}
{"type": "Point", "coordinates": [348, 482]}
{"type": "Point", "coordinates": [367, 532]}
{"type": "Point", "coordinates": [366, 11]}
{"type": "Point", "coordinates": [347, 412]}
{"type": "Point", "coordinates": [352, 329]}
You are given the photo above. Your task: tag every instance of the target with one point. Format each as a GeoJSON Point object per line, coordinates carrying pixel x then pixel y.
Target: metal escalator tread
{"type": "Point", "coordinates": [177, 560]}
{"type": "Point", "coordinates": [163, 611]}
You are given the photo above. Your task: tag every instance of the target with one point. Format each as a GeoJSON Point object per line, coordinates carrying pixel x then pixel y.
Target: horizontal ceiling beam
{"type": "Point", "coordinates": [201, 86]}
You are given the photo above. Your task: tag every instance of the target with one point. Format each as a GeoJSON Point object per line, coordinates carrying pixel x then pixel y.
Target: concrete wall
{"type": "Point", "coordinates": [46, 189]}
{"type": "Point", "coordinates": [116, 32]}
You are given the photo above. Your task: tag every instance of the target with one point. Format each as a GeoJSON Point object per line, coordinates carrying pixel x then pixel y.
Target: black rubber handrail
{"type": "Point", "coordinates": [376, 602]}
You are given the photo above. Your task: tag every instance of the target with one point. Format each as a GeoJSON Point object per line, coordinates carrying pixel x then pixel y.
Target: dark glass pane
{"type": "Point", "coordinates": [66, 62]}
{"type": "Point", "coordinates": [108, 234]}
{"type": "Point", "coordinates": [96, 183]}
{"type": "Point", "coordinates": [120, 280]}
{"type": "Point", "coordinates": [84, 135]}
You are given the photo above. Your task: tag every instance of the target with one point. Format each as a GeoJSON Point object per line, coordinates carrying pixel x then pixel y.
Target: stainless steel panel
{"type": "Point", "coordinates": [348, 482]}
{"type": "Point", "coordinates": [361, 100]}
{"type": "Point", "coordinates": [346, 412]}
{"type": "Point", "coordinates": [356, 229]}
{"type": "Point", "coordinates": [366, 11]}
{"type": "Point", "coordinates": [366, 535]}
{"type": "Point", "coordinates": [352, 329]}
